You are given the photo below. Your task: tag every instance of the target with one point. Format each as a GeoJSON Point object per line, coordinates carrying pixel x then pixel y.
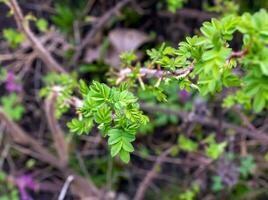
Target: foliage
{"type": "Point", "coordinates": [11, 107]}
{"type": "Point", "coordinates": [216, 184]}
{"type": "Point", "coordinates": [13, 37]}
{"type": "Point", "coordinates": [227, 56]}
{"type": "Point", "coordinates": [173, 5]}
{"type": "Point", "coordinates": [247, 165]}
{"type": "Point", "coordinates": [191, 193]}
{"type": "Point", "coordinates": [7, 189]}
{"type": "Point", "coordinates": [64, 86]}
{"type": "Point", "coordinates": [66, 14]}
{"type": "Point", "coordinates": [214, 63]}
{"type": "Point", "coordinates": [213, 149]}
{"type": "Point", "coordinates": [115, 111]}
{"type": "Point", "coordinates": [225, 7]}
{"type": "Point", "coordinates": [42, 24]}
{"type": "Point", "coordinates": [187, 144]}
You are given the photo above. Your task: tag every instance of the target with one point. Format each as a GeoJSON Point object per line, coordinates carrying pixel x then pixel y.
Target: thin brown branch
{"type": "Point", "coordinates": [146, 72]}
{"type": "Point", "coordinates": [42, 52]}
{"type": "Point", "coordinates": [20, 137]}
{"type": "Point", "coordinates": [190, 13]}
{"type": "Point", "coordinates": [57, 134]}
{"type": "Point", "coordinates": [97, 27]}
{"type": "Point", "coordinates": [81, 186]}
{"type": "Point", "coordinates": [210, 122]}
{"type": "Point", "coordinates": [150, 176]}
{"type": "Point", "coordinates": [158, 73]}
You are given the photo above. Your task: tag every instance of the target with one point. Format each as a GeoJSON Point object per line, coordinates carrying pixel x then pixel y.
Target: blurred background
{"type": "Point", "coordinates": [173, 158]}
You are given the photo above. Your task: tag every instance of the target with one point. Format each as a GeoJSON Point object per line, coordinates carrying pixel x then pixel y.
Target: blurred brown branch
{"type": "Point", "coordinates": [96, 28]}
{"type": "Point", "coordinates": [82, 187]}
{"type": "Point", "coordinates": [57, 134]}
{"type": "Point", "coordinates": [42, 52]}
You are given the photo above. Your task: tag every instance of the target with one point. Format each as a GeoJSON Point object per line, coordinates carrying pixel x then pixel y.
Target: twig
{"type": "Point", "coordinates": [82, 187]}
{"type": "Point", "coordinates": [154, 73]}
{"type": "Point", "coordinates": [260, 136]}
{"type": "Point", "coordinates": [19, 136]}
{"type": "Point", "coordinates": [245, 120]}
{"type": "Point", "coordinates": [57, 134]}
{"type": "Point", "coordinates": [157, 73]}
{"type": "Point", "coordinates": [65, 187]}
{"type": "Point", "coordinates": [190, 13]}
{"type": "Point", "coordinates": [23, 25]}
{"type": "Point", "coordinates": [102, 21]}
{"type": "Point", "coordinates": [150, 176]}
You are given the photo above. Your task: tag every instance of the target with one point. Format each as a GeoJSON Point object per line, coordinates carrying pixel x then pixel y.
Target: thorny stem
{"type": "Point", "coordinates": [160, 74]}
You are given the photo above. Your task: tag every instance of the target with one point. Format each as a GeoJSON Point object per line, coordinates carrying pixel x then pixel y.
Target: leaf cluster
{"type": "Point", "coordinates": [116, 113]}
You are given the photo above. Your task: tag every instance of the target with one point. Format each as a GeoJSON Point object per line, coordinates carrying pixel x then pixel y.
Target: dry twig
{"type": "Point", "coordinates": [23, 25]}
{"type": "Point", "coordinates": [150, 176]}
{"type": "Point", "coordinates": [261, 137]}
{"type": "Point", "coordinates": [96, 28]}
{"type": "Point", "coordinates": [82, 187]}
{"type": "Point", "coordinates": [57, 134]}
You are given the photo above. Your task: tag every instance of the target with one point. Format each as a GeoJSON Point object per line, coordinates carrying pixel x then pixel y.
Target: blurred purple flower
{"type": "Point", "coordinates": [11, 85]}
{"type": "Point", "coordinates": [24, 182]}
{"type": "Point", "coordinates": [184, 96]}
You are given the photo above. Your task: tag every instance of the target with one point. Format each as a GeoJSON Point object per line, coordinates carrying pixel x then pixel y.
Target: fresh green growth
{"type": "Point", "coordinates": [11, 106]}
{"type": "Point", "coordinates": [115, 111]}
{"type": "Point", "coordinates": [211, 65]}
{"type": "Point", "coordinates": [7, 190]}
{"type": "Point", "coordinates": [173, 5]}
{"type": "Point", "coordinates": [191, 193]}
{"type": "Point", "coordinates": [64, 86]}
{"type": "Point", "coordinates": [217, 185]}
{"type": "Point", "coordinates": [213, 149]}
{"type": "Point", "coordinates": [247, 165]}
{"type": "Point", "coordinates": [13, 37]}
{"type": "Point", "coordinates": [42, 24]}
{"type": "Point", "coordinates": [3, 74]}
{"type": "Point", "coordinates": [224, 7]}
{"type": "Point", "coordinates": [187, 144]}
{"type": "Point", "coordinates": [127, 58]}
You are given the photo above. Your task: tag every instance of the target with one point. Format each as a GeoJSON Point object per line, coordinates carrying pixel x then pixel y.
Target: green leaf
{"type": "Point", "coordinates": [127, 146]}
{"type": "Point", "coordinates": [217, 185]}
{"type": "Point", "coordinates": [187, 144]}
{"type": "Point", "coordinates": [11, 106]}
{"type": "Point", "coordinates": [264, 68]}
{"type": "Point", "coordinates": [124, 156]}
{"type": "Point", "coordinates": [128, 57]}
{"type": "Point", "coordinates": [84, 89]}
{"type": "Point", "coordinates": [103, 115]}
{"type": "Point", "coordinates": [259, 102]}
{"type": "Point", "coordinates": [100, 93]}
{"type": "Point", "coordinates": [247, 165]}
{"type": "Point", "coordinates": [115, 135]}
{"type": "Point", "coordinates": [42, 24]}
{"type": "Point", "coordinates": [80, 126]}
{"type": "Point", "coordinates": [214, 150]}
{"type": "Point", "coordinates": [13, 37]}
{"type": "Point", "coordinates": [115, 149]}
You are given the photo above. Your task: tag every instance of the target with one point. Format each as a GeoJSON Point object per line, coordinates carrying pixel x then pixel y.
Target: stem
{"type": "Point", "coordinates": [109, 175]}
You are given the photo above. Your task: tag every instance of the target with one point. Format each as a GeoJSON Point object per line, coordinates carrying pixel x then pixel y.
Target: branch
{"type": "Point", "coordinates": [102, 21]}
{"type": "Point", "coordinates": [42, 52]}
{"type": "Point", "coordinates": [190, 13]}
{"type": "Point", "coordinates": [57, 134]}
{"type": "Point", "coordinates": [150, 176]}
{"type": "Point", "coordinates": [157, 73]}
{"type": "Point", "coordinates": [146, 72]}
{"type": "Point", "coordinates": [81, 186]}
{"type": "Point", "coordinates": [20, 137]}
{"type": "Point", "coordinates": [260, 136]}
